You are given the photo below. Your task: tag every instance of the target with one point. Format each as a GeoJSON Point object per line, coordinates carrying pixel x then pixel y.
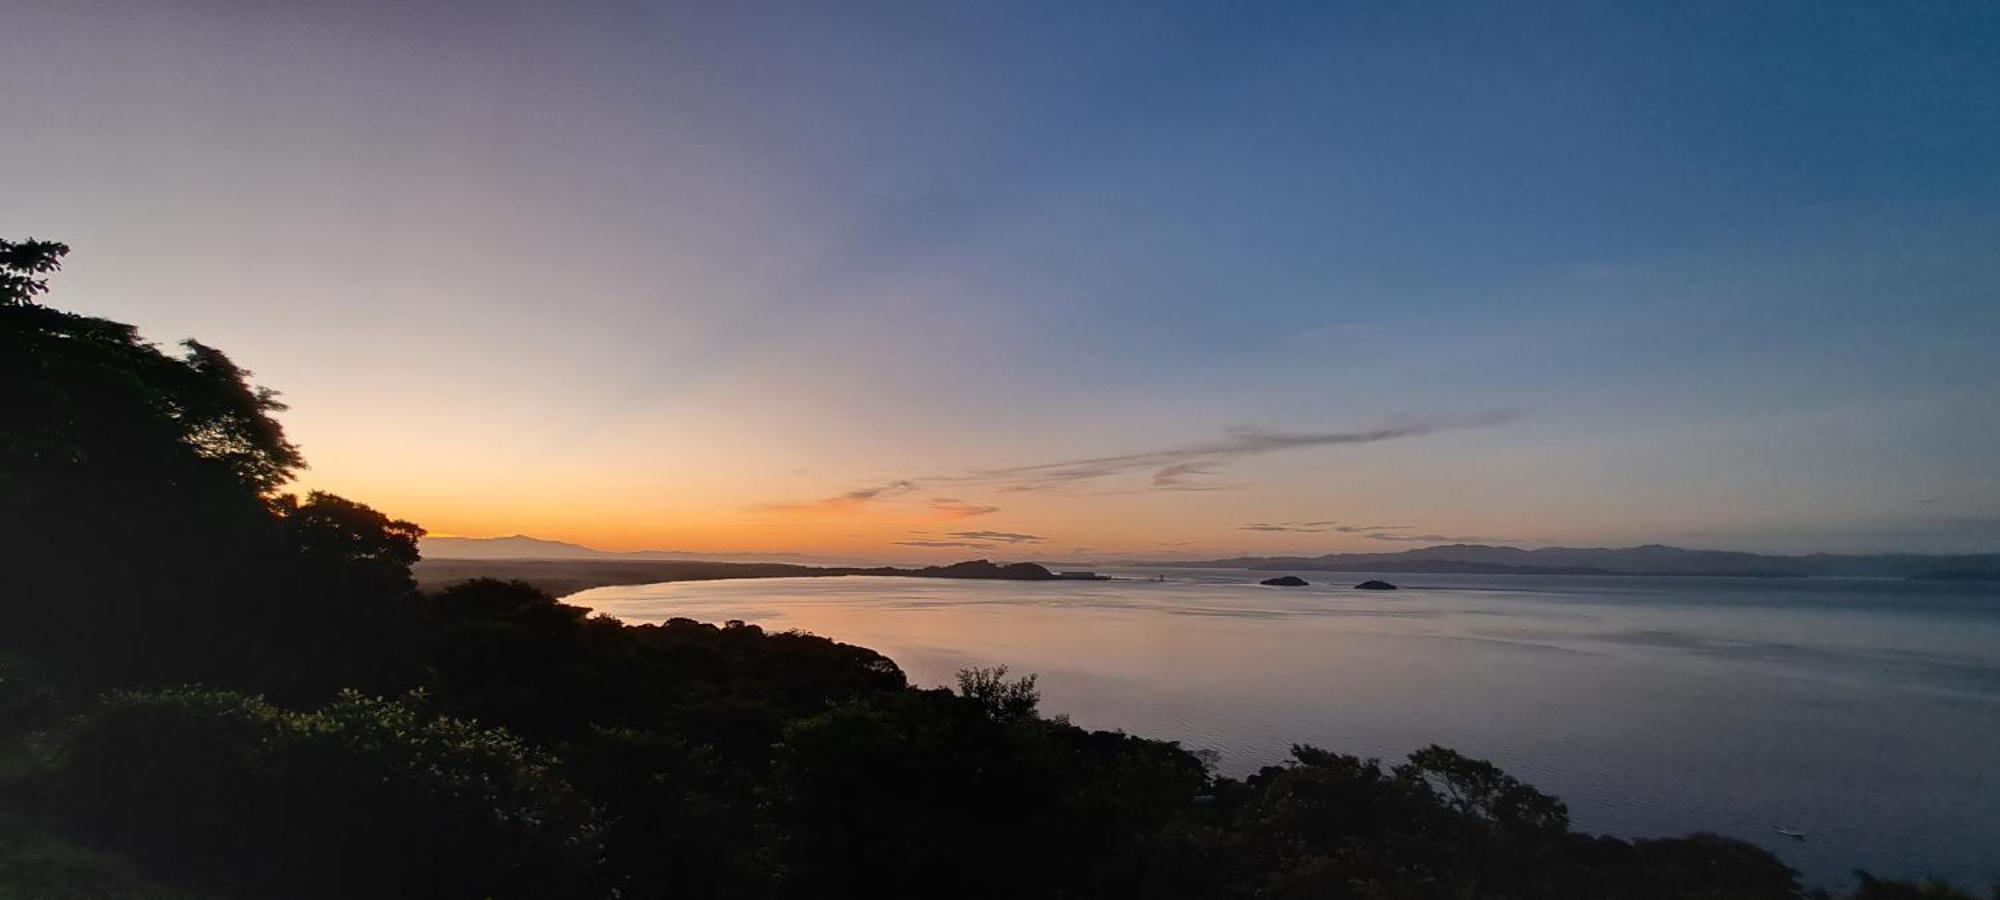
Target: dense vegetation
{"type": "Point", "coordinates": [211, 688]}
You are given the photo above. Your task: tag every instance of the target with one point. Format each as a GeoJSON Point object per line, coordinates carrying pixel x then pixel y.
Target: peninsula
{"type": "Point", "coordinates": [561, 577]}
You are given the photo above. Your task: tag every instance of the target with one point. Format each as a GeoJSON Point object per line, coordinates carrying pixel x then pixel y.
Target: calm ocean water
{"type": "Point", "coordinates": [1865, 713]}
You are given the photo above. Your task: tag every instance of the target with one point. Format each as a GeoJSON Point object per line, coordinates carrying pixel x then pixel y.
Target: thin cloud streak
{"type": "Point", "coordinates": [1176, 475]}
{"type": "Point", "coordinates": [1372, 532]}
{"type": "Point", "coordinates": [1005, 537]}
{"type": "Point", "coordinates": [1444, 539]}
{"type": "Point", "coordinates": [1171, 469]}
{"type": "Point", "coordinates": [1321, 526]}
{"type": "Point", "coordinates": [849, 501]}
{"type": "Point", "coordinates": [953, 508]}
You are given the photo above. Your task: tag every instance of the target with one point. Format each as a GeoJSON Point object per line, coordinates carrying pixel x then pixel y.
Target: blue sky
{"type": "Point", "coordinates": [668, 274]}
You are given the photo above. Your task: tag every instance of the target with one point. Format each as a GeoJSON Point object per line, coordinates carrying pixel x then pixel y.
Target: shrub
{"type": "Point", "coordinates": [367, 797]}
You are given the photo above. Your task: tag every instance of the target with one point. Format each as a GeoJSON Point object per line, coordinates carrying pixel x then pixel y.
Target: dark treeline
{"type": "Point", "coordinates": [209, 688]}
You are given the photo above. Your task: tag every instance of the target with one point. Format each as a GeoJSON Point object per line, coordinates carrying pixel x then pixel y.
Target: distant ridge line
{"type": "Point", "coordinates": [521, 546]}
{"type": "Point", "coordinates": [1443, 559]}
{"type": "Point", "coordinates": [1649, 559]}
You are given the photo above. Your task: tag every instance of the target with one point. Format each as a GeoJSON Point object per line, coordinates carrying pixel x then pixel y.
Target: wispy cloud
{"type": "Point", "coordinates": [847, 502]}
{"type": "Point", "coordinates": [891, 489]}
{"type": "Point", "coordinates": [1178, 475]}
{"type": "Point", "coordinates": [953, 508]}
{"type": "Point", "coordinates": [1180, 468]}
{"type": "Point", "coordinates": [1174, 467]}
{"type": "Point", "coordinates": [961, 545]}
{"type": "Point", "coordinates": [1442, 538]}
{"type": "Point", "coordinates": [1004, 537]}
{"type": "Point", "coordinates": [1393, 533]}
{"type": "Point", "coordinates": [1319, 526]}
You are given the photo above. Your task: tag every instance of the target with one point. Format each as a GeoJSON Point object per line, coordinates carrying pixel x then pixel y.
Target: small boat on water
{"type": "Point", "coordinates": [1794, 835]}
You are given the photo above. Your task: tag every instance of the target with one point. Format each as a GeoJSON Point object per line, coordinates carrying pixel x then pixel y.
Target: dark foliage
{"type": "Point", "coordinates": [22, 265]}
{"type": "Point", "coordinates": [364, 798]}
{"type": "Point", "coordinates": [1873, 888]}
{"type": "Point", "coordinates": [922, 791]}
{"type": "Point", "coordinates": [139, 529]}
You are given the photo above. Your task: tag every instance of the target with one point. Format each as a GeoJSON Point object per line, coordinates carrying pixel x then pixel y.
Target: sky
{"type": "Point", "coordinates": [1062, 280]}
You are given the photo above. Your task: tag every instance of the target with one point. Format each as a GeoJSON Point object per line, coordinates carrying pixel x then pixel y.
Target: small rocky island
{"type": "Point", "coordinates": [1373, 585]}
{"type": "Point", "coordinates": [1285, 581]}
{"type": "Point", "coordinates": [977, 568]}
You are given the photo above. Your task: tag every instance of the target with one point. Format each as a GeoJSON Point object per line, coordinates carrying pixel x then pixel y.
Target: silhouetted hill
{"type": "Point", "coordinates": [978, 568]}
{"type": "Point", "coordinates": [1651, 559]}
{"type": "Point", "coordinates": [562, 577]}
{"type": "Point", "coordinates": [521, 546]}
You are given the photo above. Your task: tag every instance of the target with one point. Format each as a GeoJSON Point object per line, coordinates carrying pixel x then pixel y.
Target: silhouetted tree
{"type": "Point", "coordinates": [1003, 700]}
{"type": "Point", "coordinates": [139, 525]}
{"type": "Point", "coordinates": [342, 538]}
{"type": "Point", "coordinates": [22, 263]}
{"type": "Point", "coordinates": [1477, 788]}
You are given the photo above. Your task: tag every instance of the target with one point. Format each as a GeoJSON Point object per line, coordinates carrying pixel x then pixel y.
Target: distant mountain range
{"type": "Point", "coordinates": [521, 546]}
{"type": "Point", "coordinates": [1471, 559]}
{"type": "Point", "coordinates": [1652, 559]}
